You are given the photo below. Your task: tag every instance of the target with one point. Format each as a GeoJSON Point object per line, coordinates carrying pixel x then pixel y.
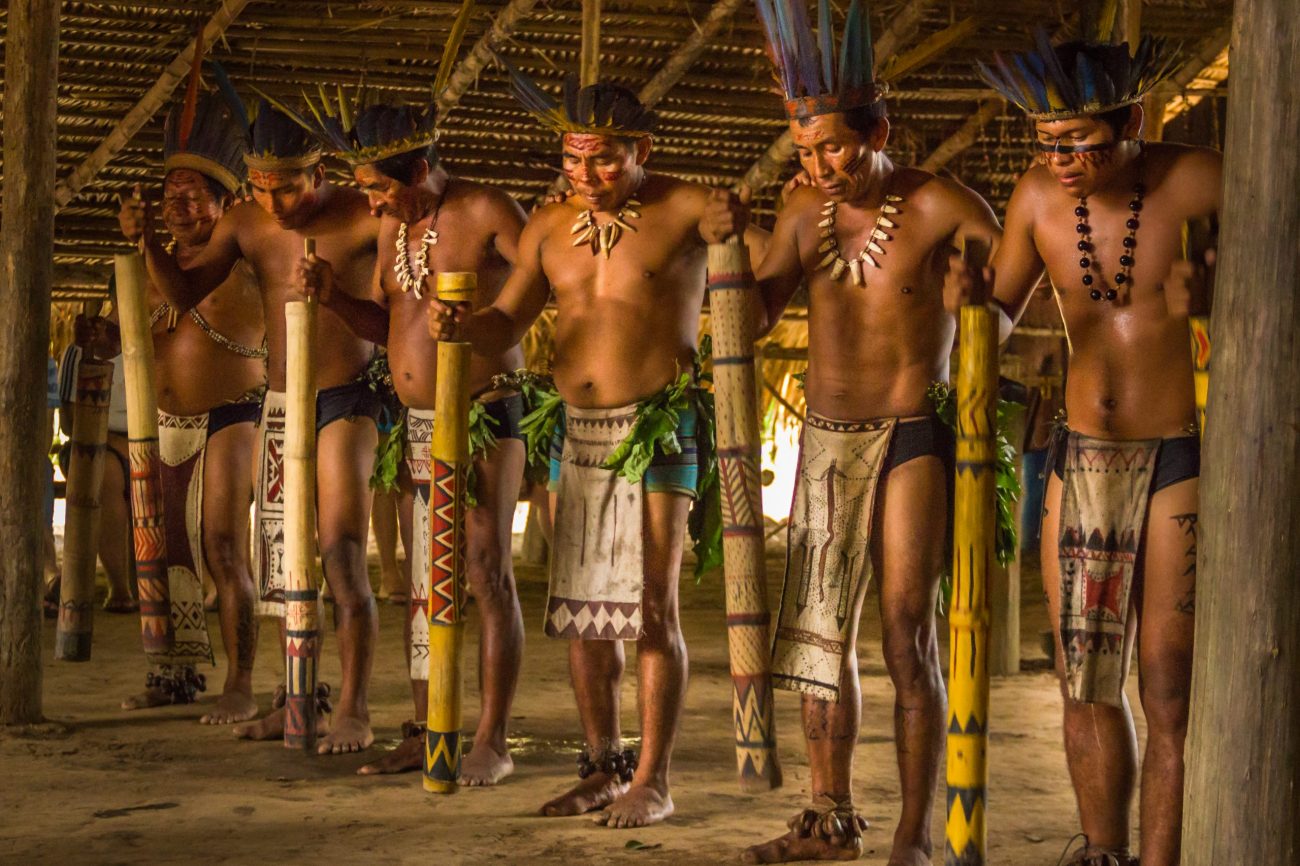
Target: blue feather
{"type": "Point", "coordinates": [1036, 89]}
{"type": "Point", "coordinates": [855, 49]}
{"type": "Point", "coordinates": [232, 97]}
{"type": "Point", "coordinates": [1054, 70]}
{"type": "Point", "coordinates": [1086, 77]}
{"type": "Point", "coordinates": [827, 46]}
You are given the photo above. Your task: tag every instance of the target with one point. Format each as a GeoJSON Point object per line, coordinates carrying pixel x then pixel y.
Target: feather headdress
{"type": "Point", "coordinates": [360, 135]}
{"type": "Point", "coordinates": [206, 132]}
{"type": "Point", "coordinates": [816, 81]}
{"type": "Point", "coordinates": [278, 140]}
{"type": "Point", "coordinates": [1077, 78]}
{"type": "Point", "coordinates": [597, 109]}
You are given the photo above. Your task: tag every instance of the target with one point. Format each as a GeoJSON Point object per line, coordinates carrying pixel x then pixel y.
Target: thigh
{"type": "Point", "coordinates": [1049, 556]}
{"type": "Point", "coordinates": [345, 454]}
{"type": "Point", "coordinates": [910, 526]}
{"type": "Point", "coordinates": [1166, 596]}
{"type": "Point", "coordinates": [488, 525]}
{"type": "Point", "coordinates": [227, 481]}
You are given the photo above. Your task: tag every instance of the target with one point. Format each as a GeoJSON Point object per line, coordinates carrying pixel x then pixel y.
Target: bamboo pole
{"type": "Point", "coordinates": [589, 63]}
{"type": "Point", "coordinates": [450, 453]}
{"type": "Point", "coordinates": [301, 603]}
{"type": "Point", "coordinates": [973, 558]}
{"type": "Point", "coordinates": [732, 298]}
{"type": "Point", "coordinates": [146, 463]}
{"type": "Point", "coordinates": [142, 111]}
{"type": "Point", "coordinates": [1243, 745]}
{"type": "Point", "coordinates": [26, 252]}
{"type": "Point", "coordinates": [81, 528]}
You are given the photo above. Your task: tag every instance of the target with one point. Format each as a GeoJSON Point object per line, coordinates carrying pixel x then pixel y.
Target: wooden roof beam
{"type": "Point", "coordinates": [143, 110]}
{"type": "Point", "coordinates": [1177, 94]}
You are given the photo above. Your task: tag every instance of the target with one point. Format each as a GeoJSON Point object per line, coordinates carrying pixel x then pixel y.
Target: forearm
{"type": "Point", "coordinates": [493, 331]}
{"type": "Point", "coordinates": [366, 319]}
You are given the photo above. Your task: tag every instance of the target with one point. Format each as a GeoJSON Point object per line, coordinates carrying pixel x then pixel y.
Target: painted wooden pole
{"type": "Point", "coordinates": [146, 463]}
{"type": "Point", "coordinates": [26, 265]}
{"type": "Point", "coordinates": [732, 299]}
{"type": "Point", "coordinates": [447, 507]}
{"type": "Point", "coordinates": [81, 528]}
{"type": "Point", "coordinates": [1242, 795]}
{"type": "Point", "coordinates": [301, 603]}
{"type": "Point", "coordinates": [973, 559]}
{"type": "Point", "coordinates": [1199, 328]}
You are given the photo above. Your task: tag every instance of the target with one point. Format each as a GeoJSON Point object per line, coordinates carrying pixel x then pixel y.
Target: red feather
{"type": "Point", "coordinates": [191, 94]}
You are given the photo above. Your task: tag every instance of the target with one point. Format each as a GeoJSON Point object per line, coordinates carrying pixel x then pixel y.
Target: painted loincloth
{"type": "Point", "coordinates": [182, 441]}
{"type": "Point", "coordinates": [496, 420]}
{"type": "Point", "coordinates": [1106, 486]}
{"type": "Point", "coordinates": [828, 559]}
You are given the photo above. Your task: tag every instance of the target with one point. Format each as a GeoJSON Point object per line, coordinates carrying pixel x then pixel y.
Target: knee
{"type": "Point", "coordinates": [659, 619]}
{"type": "Point", "coordinates": [912, 654]}
{"type": "Point", "coordinates": [491, 581]}
{"type": "Point", "coordinates": [343, 554]}
{"type": "Point", "coordinates": [1165, 692]}
{"type": "Point", "coordinates": [226, 556]}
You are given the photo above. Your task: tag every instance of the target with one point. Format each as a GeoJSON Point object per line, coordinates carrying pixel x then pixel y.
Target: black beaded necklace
{"type": "Point", "coordinates": [1126, 260]}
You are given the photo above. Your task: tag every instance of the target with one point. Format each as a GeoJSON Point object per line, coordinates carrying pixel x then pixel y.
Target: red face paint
{"type": "Point", "coordinates": [288, 196]}
{"type": "Point", "coordinates": [600, 168]}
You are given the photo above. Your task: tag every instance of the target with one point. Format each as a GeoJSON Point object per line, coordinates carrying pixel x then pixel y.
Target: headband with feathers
{"type": "Point", "coordinates": [813, 79]}
{"type": "Point", "coordinates": [206, 132]}
{"type": "Point", "coordinates": [360, 135]}
{"type": "Point", "coordinates": [1077, 78]}
{"type": "Point", "coordinates": [597, 109]}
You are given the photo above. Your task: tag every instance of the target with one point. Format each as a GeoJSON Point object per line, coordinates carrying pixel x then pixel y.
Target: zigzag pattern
{"type": "Point", "coordinates": [738, 496]}
{"type": "Point", "coordinates": [447, 539]}
{"type": "Point", "coordinates": [1119, 457]}
{"type": "Point", "coordinates": [752, 706]}
{"type": "Point", "coordinates": [442, 756]}
{"type": "Point", "coordinates": [300, 696]}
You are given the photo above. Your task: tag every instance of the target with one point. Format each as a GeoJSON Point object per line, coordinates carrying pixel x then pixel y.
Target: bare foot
{"type": "Point", "coordinates": [114, 604]}
{"type": "Point", "coordinates": [594, 792]}
{"type": "Point", "coordinates": [794, 846]}
{"type": "Point", "coordinates": [409, 755]}
{"type": "Point", "coordinates": [347, 734]}
{"type": "Point", "coordinates": [909, 855]}
{"type": "Point", "coordinates": [231, 707]}
{"type": "Point", "coordinates": [146, 699]}
{"type": "Point", "coordinates": [640, 805]}
{"type": "Point", "coordinates": [484, 766]}
{"type": "Point", "coordinates": [269, 727]}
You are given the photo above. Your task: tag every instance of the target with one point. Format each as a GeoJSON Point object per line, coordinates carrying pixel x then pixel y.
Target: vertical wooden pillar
{"type": "Point", "coordinates": [1242, 796]}
{"type": "Point", "coordinates": [147, 529]}
{"type": "Point", "coordinates": [732, 297]}
{"type": "Point", "coordinates": [72, 635]}
{"type": "Point", "coordinates": [26, 257]}
{"type": "Point", "coordinates": [589, 61]}
{"type": "Point", "coordinates": [450, 453]}
{"type": "Point", "coordinates": [301, 602]}
{"type": "Point", "coordinates": [968, 616]}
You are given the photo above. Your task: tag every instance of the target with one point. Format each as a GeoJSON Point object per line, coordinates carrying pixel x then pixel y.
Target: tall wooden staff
{"type": "Point", "coordinates": [973, 558]}
{"type": "Point", "coordinates": [146, 463]}
{"type": "Point", "coordinates": [81, 532]}
{"type": "Point", "coordinates": [450, 452]}
{"type": "Point", "coordinates": [301, 608]}
{"type": "Point", "coordinates": [732, 296]}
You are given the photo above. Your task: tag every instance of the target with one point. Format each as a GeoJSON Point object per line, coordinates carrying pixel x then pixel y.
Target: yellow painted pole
{"type": "Point", "coordinates": [1199, 327]}
{"type": "Point", "coordinates": [450, 464]}
{"type": "Point", "coordinates": [75, 626]}
{"type": "Point", "coordinates": [301, 604]}
{"type": "Point", "coordinates": [147, 530]}
{"type": "Point", "coordinates": [732, 296]}
{"type": "Point", "coordinates": [968, 616]}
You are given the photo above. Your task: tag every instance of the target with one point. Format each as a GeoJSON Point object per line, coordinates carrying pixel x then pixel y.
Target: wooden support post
{"type": "Point", "coordinates": [26, 256]}
{"type": "Point", "coordinates": [450, 453]}
{"type": "Point", "coordinates": [81, 525]}
{"type": "Point", "coordinates": [973, 557]}
{"type": "Point", "coordinates": [301, 601]}
{"type": "Point", "coordinates": [1241, 800]}
{"type": "Point", "coordinates": [146, 462]}
{"type": "Point", "coordinates": [589, 60]}
{"type": "Point", "coordinates": [732, 299]}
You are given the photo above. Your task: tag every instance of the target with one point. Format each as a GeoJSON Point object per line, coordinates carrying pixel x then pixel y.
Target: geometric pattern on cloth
{"type": "Point", "coordinates": [828, 555]}
{"type": "Point", "coordinates": [268, 518]}
{"type": "Point", "coordinates": [419, 436]}
{"type": "Point", "coordinates": [597, 561]}
{"type": "Point", "coordinates": [1105, 489]}
{"type": "Point", "coordinates": [182, 441]}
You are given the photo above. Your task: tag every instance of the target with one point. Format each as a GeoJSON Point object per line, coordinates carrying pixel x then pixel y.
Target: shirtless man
{"type": "Point", "coordinates": [625, 259]}
{"type": "Point", "coordinates": [875, 461]}
{"type": "Point", "coordinates": [477, 229]}
{"type": "Point", "coordinates": [292, 202]}
{"type": "Point", "coordinates": [208, 374]}
{"type": "Point", "coordinates": [1103, 213]}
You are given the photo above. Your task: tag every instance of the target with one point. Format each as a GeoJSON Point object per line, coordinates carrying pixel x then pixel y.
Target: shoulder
{"type": "Point", "coordinates": [801, 202]}
{"type": "Point", "coordinates": [1183, 162]}
{"type": "Point", "coordinates": [486, 200]}
{"type": "Point", "coordinates": [681, 193]}
{"type": "Point", "coordinates": [941, 193]}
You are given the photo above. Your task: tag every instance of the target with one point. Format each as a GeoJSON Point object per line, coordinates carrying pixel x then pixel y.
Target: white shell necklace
{"type": "Point", "coordinates": [411, 276]}
{"type": "Point", "coordinates": [829, 248]}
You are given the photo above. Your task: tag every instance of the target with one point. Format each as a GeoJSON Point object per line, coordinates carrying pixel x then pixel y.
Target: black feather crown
{"type": "Point", "coordinates": [597, 109]}
{"type": "Point", "coordinates": [279, 143]}
{"type": "Point", "coordinates": [206, 135]}
{"type": "Point", "coordinates": [1077, 78]}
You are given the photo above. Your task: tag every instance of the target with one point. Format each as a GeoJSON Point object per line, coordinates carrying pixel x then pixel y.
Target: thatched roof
{"type": "Point", "coordinates": [718, 119]}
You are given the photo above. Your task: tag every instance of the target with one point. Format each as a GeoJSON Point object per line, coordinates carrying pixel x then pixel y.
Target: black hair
{"type": "Point", "coordinates": [862, 119]}
{"type": "Point", "coordinates": [401, 167]}
{"type": "Point", "coordinates": [1116, 119]}
{"type": "Point", "coordinates": [275, 133]}
{"type": "Point", "coordinates": [219, 192]}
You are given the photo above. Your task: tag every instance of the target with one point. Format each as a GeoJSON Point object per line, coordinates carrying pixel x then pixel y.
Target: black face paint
{"type": "Point", "coordinates": [1046, 151]}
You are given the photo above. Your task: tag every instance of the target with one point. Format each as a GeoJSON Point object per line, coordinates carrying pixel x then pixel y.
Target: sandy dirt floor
{"type": "Point", "coordinates": [96, 785]}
